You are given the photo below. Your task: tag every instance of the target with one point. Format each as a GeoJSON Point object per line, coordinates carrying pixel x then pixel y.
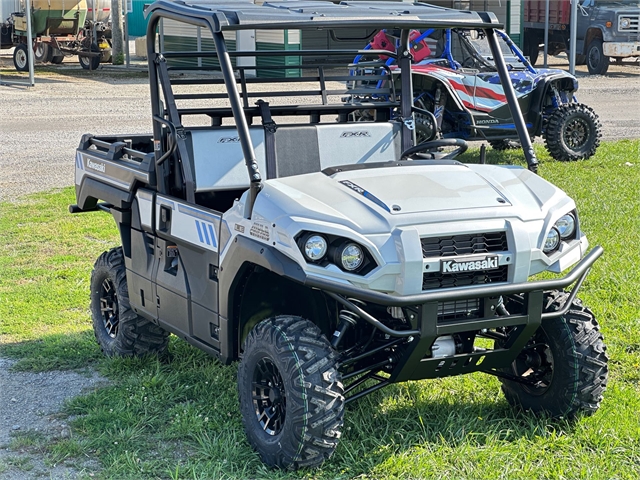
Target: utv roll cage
{"type": "Point", "coordinates": [218, 18]}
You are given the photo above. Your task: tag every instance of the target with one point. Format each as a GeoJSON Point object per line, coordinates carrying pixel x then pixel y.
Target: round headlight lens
{"type": "Point", "coordinates": [624, 22]}
{"type": "Point", "coordinates": [552, 241]}
{"type": "Point", "coordinates": [566, 226]}
{"type": "Point", "coordinates": [315, 247]}
{"type": "Point", "coordinates": [351, 257]}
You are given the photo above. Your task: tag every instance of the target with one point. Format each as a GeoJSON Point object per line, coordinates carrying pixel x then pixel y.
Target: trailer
{"type": "Point", "coordinates": [59, 28]}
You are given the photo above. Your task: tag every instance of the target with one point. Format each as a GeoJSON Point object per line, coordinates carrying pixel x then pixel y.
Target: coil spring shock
{"type": "Point", "coordinates": [347, 319]}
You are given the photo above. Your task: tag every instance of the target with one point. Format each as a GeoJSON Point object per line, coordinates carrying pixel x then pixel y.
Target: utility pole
{"type": "Point", "coordinates": [116, 32]}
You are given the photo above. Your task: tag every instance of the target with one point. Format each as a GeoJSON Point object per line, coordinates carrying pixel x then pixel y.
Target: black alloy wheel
{"type": "Point", "coordinates": [576, 133]}
{"type": "Point", "coordinates": [535, 364]}
{"type": "Point", "coordinates": [109, 307]}
{"type": "Point", "coordinates": [269, 397]}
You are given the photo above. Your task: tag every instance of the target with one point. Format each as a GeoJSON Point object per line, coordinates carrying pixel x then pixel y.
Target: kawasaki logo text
{"type": "Point", "coordinates": [95, 166]}
{"type": "Point", "coordinates": [452, 266]}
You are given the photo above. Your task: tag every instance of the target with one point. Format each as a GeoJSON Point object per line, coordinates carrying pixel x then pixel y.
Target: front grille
{"type": "Point", "coordinates": [467, 244]}
{"type": "Point", "coordinates": [634, 23]}
{"type": "Point", "coordinates": [462, 279]}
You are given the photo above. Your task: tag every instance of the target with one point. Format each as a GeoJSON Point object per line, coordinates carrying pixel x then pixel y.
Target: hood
{"type": "Point", "coordinates": [408, 190]}
{"type": "Point", "coordinates": [619, 7]}
{"type": "Point", "coordinates": [377, 200]}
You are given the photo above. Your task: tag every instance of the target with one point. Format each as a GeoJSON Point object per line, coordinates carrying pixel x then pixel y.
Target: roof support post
{"type": "Point", "coordinates": [240, 118]}
{"type": "Point", "coordinates": [404, 62]}
{"type": "Point", "coordinates": [512, 101]}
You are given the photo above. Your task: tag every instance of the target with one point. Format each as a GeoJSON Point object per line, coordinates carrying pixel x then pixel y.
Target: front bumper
{"type": "Point", "coordinates": [426, 327]}
{"type": "Point", "coordinates": [621, 49]}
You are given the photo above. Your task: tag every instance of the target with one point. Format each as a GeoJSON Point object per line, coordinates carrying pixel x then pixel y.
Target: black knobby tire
{"type": "Point", "coordinates": [21, 58]}
{"type": "Point", "coordinates": [505, 144]}
{"type": "Point", "coordinates": [90, 63]}
{"type": "Point", "coordinates": [291, 393]}
{"type": "Point", "coordinates": [597, 61]}
{"type": "Point", "coordinates": [118, 329]}
{"type": "Point", "coordinates": [426, 125]}
{"type": "Point", "coordinates": [567, 357]}
{"type": "Point", "coordinates": [57, 59]}
{"type": "Point", "coordinates": [572, 132]}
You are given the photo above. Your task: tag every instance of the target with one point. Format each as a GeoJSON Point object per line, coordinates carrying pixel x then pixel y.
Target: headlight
{"type": "Point", "coordinates": [315, 247]}
{"type": "Point", "coordinates": [552, 240]}
{"type": "Point", "coordinates": [566, 226]}
{"type": "Point", "coordinates": [625, 22]}
{"type": "Point", "coordinates": [324, 250]}
{"type": "Point", "coordinates": [350, 257]}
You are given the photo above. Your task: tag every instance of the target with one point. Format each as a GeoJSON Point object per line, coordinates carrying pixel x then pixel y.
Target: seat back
{"type": "Point", "coordinates": [219, 162]}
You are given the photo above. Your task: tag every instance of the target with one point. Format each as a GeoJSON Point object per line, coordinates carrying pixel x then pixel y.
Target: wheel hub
{"type": "Point", "coordinates": [21, 59]}
{"type": "Point", "coordinates": [535, 364]}
{"type": "Point", "coordinates": [269, 397]}
{"type": "Point", "coordinates": [109, 307]}
{"type": "Point", "coordinates": [576, 133]}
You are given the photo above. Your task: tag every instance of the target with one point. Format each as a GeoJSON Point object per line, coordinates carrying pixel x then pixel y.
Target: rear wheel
{"type": "Point", "coordinates": [564, 364]}
{"type": "Point", "coordinates": [572, 132]}
{"type": "Point", "coordinates": [505, 144]}
{"type": "Point", "coordinates": [291, 393]}
{"type": "Point", "coordinates": [21, 58]}
{"type": "Point", "coordinates": [118, 329]}
{"type": "Point", "coordinates": [597, 61]}
{"type": "Point", "coordinates": [90, 62]}
{"type": "Point", "coordinates": [43, 53]}
{"type": "Point", "coordinates": [425, 121]}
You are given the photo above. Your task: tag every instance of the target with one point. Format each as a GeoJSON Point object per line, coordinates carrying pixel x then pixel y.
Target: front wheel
{"type": "Point", "coordinates": [118, 329]}
{"type": "Point", "coordinates": [43, 53]}
{"type": "Point", "coordinates": [291, 393]}
{"type": "Point", "coordinates": [21, 58]}
{"type": "Point", "coordinates": [563, 366]}
{"type": "Point", "coordinates": [572, 132]}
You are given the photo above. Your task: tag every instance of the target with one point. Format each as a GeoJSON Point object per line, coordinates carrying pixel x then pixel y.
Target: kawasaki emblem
{"type": "Point", "coordinates": [490, 262]}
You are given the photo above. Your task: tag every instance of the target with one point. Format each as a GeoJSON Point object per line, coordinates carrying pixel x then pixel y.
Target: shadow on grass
{"type": "Point", "coordinates": [180, 413]}
{"type": "Point", "coordinates": [70, 351]}
{"type": "Point", "coordinates": [425, 417]}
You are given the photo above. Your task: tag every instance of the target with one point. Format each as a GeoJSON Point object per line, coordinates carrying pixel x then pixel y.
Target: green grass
{"type": "Point", "coordinates": [179, 418]}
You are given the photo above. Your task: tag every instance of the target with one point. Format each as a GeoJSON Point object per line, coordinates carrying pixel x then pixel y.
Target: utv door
{"type": "Point", "coordinates": [186, 269]}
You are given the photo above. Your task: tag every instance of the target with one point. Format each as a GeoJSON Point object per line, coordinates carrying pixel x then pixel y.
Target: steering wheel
{"type": "Point", "coordinates": [426, 147]}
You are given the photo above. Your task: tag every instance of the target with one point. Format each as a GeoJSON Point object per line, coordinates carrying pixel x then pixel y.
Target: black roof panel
{"type": "Point", "coordinates": [301, 14]}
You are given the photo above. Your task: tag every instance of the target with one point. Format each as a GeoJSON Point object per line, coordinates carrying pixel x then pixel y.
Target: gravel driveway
{"type": "Point", "coordinates": [41, 127]}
